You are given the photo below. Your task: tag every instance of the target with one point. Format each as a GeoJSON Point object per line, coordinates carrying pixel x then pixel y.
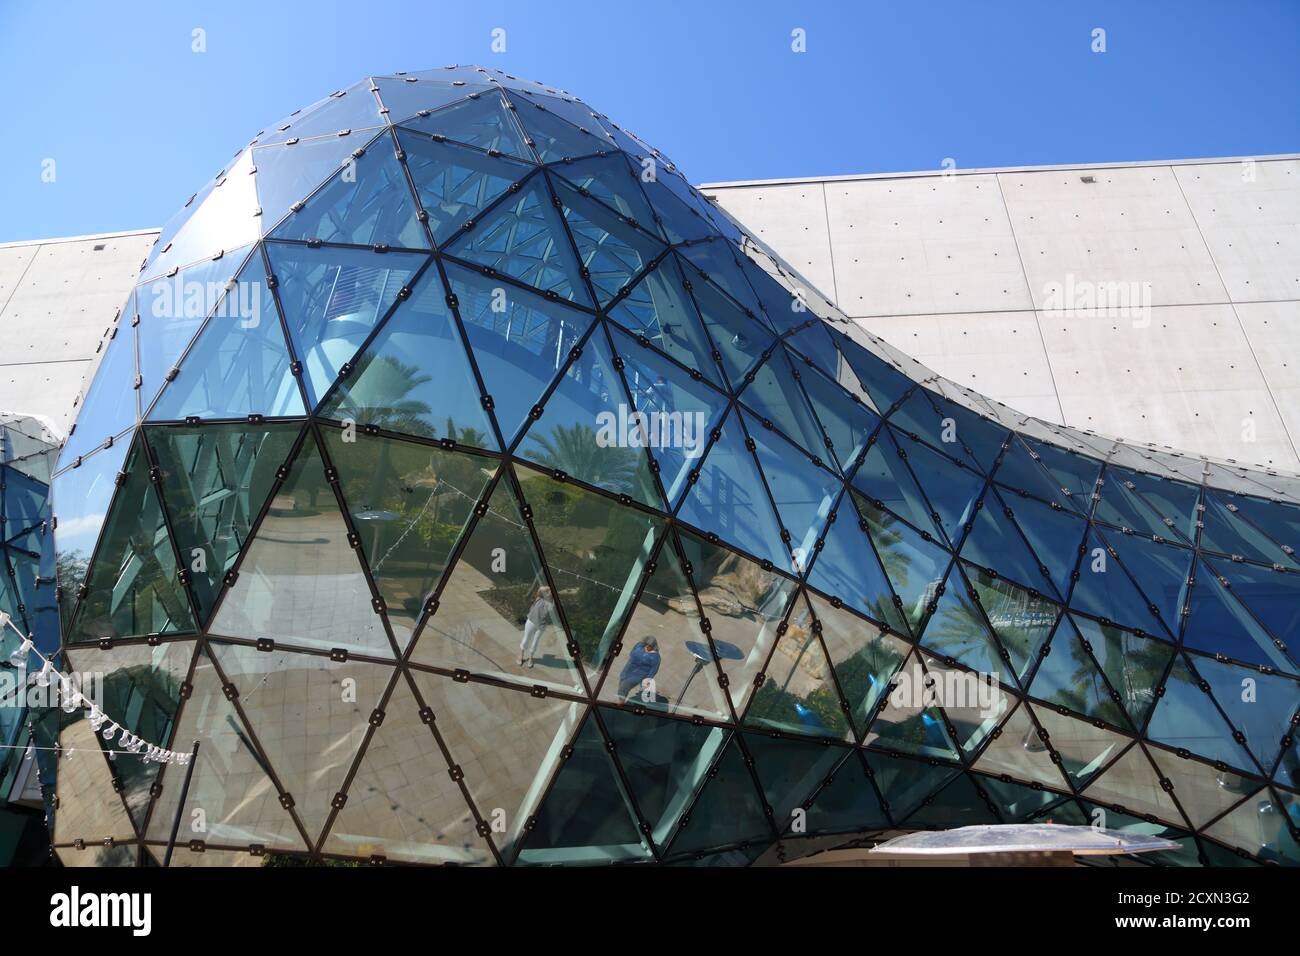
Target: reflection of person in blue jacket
{"type": "Point", "coordinates": [642, 663]}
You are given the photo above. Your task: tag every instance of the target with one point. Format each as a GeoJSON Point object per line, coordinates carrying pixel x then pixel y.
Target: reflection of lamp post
{"type": "Point", "coordinates": [700, 650]}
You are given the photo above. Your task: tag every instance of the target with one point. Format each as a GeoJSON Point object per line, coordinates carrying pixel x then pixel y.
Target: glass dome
{"type": "Point", "coordinates": [477, 492]}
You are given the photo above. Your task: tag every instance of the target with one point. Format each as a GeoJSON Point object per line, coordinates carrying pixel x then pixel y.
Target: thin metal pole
{"type": "Point", "coordinates": [180, 806]}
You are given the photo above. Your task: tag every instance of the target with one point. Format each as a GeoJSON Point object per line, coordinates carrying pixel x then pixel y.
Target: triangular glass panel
{"type": "Point", "coordinates": [402, 804]}
{"type": "Point", "coordinates": [680, 410]}
{"type": "Point", "coordinates": [405, 96]}
{"type": "Point", "coordinates": [848, 424]}
{"type": "Point", "coordinates": [665, 762]}
{"type": "Point", "coordinates": [587, 431]}
{"type": "Point", "coordinates": [956, 629]}
{"type": "Point", "coordinates": [1264, 826]}
{"type": "Point", "coordinates": [139, 687]}
{"type": "Point", "coordinates": [666, 662]}
{"type": "Point", "coordinates": [289, 173]}
{"type": "Point", "coordinates": [743, 605]}
{"type": "Point", "coordinates": [506, 743]}
{"type": "Point", "coordinates": [1217, 623]}
{"type": "Point", "coordinates": [214, 481]}
{"type": "Point", "coordinates": [613, 251]}
{"type": "Point", "coordinates": [1202, 791]}
{"type": "Point", "coordinates": [775, 396]}
{"type": "Point", "coordinates": [1185, 717]}
{"type": "Point", "coordinates": [455, 184]}
{"type": "Point", "coordinates": [728, 810]}
{"type": "Point", "coordinates": [1279, 520]}
{"type": "Point", "coordinates": [300, 581]}
{"type": "Point", "coordinates": [846, 568]}
{"type": "Point", "coordinates": [609, 179]}
{"type": "Point", "coordinates": [586, 816]}
{"type": "Point", "coordinates": [597, 551]}
{"type": "Point", "coordinates": [1161, 570]}
{"type": "Point", "coordinates": [1054, 535]}
{"type": "Point", "coordinates": [332, 299]}
{"type": "Point", "coordinates": [496, 616]}
{"type": "Point", "coordinates": [864, 657]}
{"type": "Point", "coordinates": [882, 382]}
{"type": "Point", "coordinates": [351, 108]}
{"type": "Point", "coordinates": [950, 427]}
{"type": "Point", "coordinates": [1105, 590]}
{"type": "Point", "coordinates": [717, 262]}
{"type": "Point", "coordinates": [905, 783]}
{"type": "Point", "coordinates": [109, 405]}
{"type": "Point", "coordinates": [660, 309]}
{"type": "Point", "coordinates": [1134, 665]}
{"type": "Point", "coordinates": [524, 237]}
{"type": "Point", "coordinates": [366, 203]}
{"type": "Point", "coordinates": [1068, 676]}
{"type": "Point", "coordinates": [553, 138]}
{"type": "Point", "coordinates": [1084, 748]}
{"type": "Point", "coordinates": [1259, 705]}
{"type": "Point", "coordinates": [804, 492]}
{"type": "Point", "coordinates": [1146, 503]}
{"type": "Point", "coordinates": [680, 221]}
{"type": "Point", "coordinates": [230, 783]}
{"type": "Point", "coordinates": [481, 121]}
{"type": "Point", "coordinates": [973, 702]}
{"type": "Point", "coordinates": [239, 365]}
{"type": "Point", "coordinates": [958, 804]}
{"type": "Point", "coordinates": [1273, 596]}
{"type": "Point", "coordinates": [82, 496]}
{"type": "Point", "coordinates": [1016, 802]}
{"type": "Point", "coordinates": [798, 694]}
{"type": "Point", "coordinates": [410, 504]}
{"type": "Point", "coordinates": [995, 542]}
{"type": "Point", "coordinates": [1229, 535]}
{"type": "Point", "coordinates": [520, 341]}
{"type": "Point", "coordinates": [916, 567]}
{"type": "Point", "coordinates": [171, 310]}
{"type": "Point", "coordinates": [729, 498]}
{"type": "Point", "coordinates": [1131, 782]}
{"type": "Point", "coordinates": [951, 490]}
{"type": "Point", "coordinates": [790, 771]}
{"type": "Point", "coordinates": [742, 341]}
{"type": "Point", "coordinates": [848, 803]}
{"type": "Point", "coordinates": [909, 722]}
{"type": "Point", "coordinates": [132, 588]}
{"type": "Point", "coordinates": [884, 478]}
{"type": "Point", "coordinates": [1022, 621]}
{"type": "Point", "coordinates": [415, 377]}
{"type": "Point", "coordinates": [225, 218]}
{"type": "Point", "coordinates": [1019, 751]}
{"type": "Point", "coordinates": [309, 730]}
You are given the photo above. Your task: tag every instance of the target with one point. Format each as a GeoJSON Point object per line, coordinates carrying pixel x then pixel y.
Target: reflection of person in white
{"type": "Point", "coordinates": [539, 615]}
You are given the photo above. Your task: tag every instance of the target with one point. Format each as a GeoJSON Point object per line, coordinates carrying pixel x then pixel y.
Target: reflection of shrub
{"type": "Point", "coordinates": [773, 705]}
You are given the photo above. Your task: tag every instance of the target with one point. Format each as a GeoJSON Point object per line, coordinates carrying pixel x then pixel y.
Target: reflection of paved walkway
{"type": "Point", "coordinates": [302, 583]}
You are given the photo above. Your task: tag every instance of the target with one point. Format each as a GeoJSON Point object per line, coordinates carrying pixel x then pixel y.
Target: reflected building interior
{"type": "Point", "coordinates": [503, 502]}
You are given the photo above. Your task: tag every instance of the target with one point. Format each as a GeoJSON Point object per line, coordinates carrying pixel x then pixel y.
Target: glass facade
{"type": "Point", "coordinates": [477, 493]}
{"type": "Point", "coordinates": [27, 596]}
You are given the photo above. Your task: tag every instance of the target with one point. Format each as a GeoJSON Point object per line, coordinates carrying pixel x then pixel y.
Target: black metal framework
{"type": "Point", "coordinates": [844, 519]}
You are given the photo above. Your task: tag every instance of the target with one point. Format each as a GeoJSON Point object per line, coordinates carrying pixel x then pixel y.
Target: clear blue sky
{"type": "Point", "coordinates": [136, 121]}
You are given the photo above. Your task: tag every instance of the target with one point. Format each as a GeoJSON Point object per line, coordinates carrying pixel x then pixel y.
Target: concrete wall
{"type": "Point", "coordinates": [57, 297]}
{"type": "Point", "coordinates": [958, 270]}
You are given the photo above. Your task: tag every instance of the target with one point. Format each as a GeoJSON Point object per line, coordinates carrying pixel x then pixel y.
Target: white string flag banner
{"type": "Point", "coordinates": [72, 698]}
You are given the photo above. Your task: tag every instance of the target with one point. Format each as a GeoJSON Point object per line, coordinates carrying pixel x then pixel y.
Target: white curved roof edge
{"type": "Point", "coordinates": [97, 235]}
{"type": "Point", "coordinates": [987, 170]}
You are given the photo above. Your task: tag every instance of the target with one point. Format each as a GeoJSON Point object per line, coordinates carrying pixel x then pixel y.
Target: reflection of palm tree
{"type": "Point", "coordinates": [573, 449]}
{"type": "Point", "coordinates": [390, 407]}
